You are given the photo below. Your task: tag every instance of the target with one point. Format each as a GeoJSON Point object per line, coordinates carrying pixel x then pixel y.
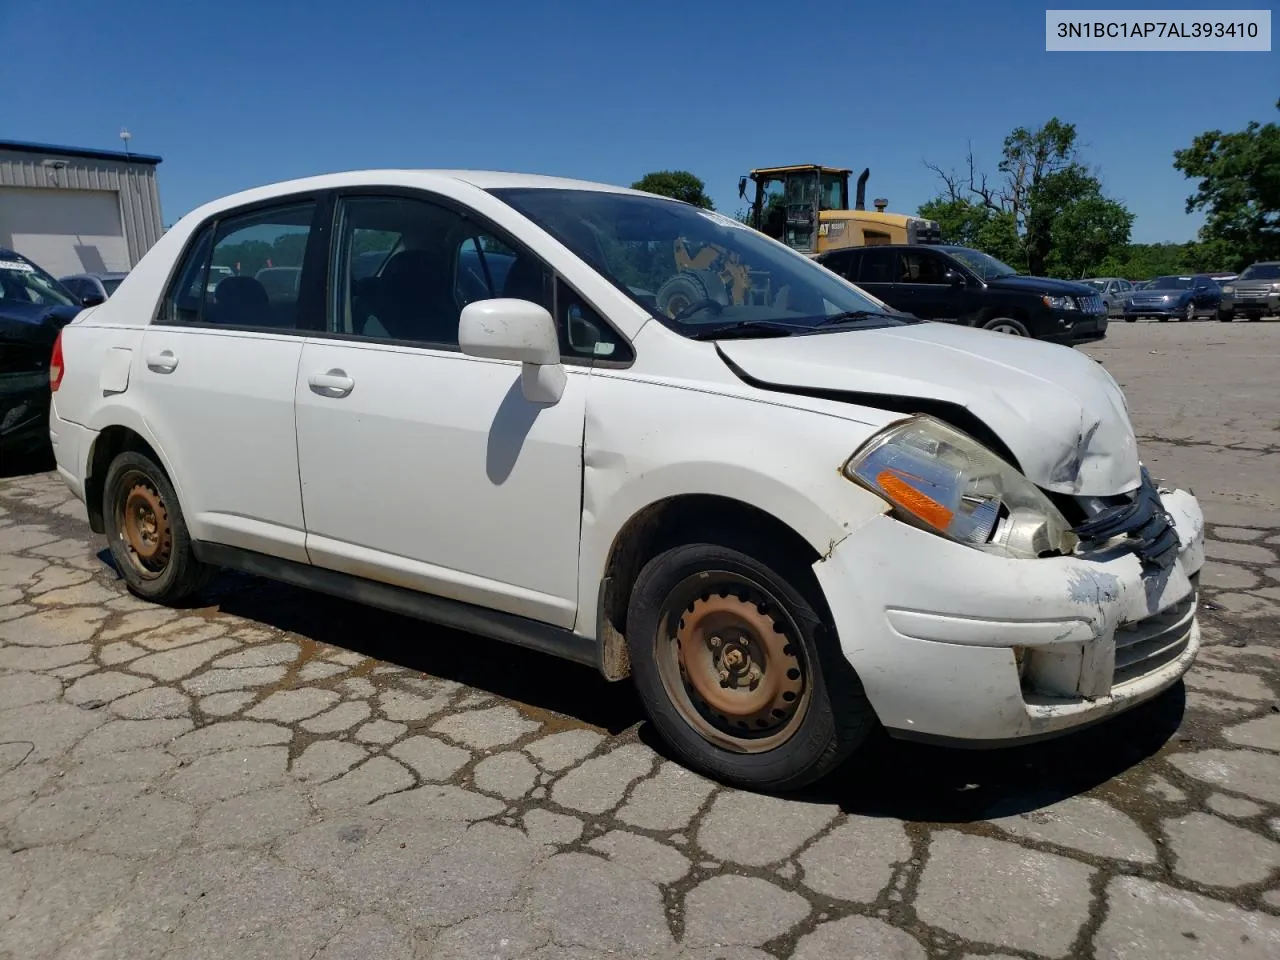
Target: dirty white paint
{"type": "Point", "coordinates": [500, 476]}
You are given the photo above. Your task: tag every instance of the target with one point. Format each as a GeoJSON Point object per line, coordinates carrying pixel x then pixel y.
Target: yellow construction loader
{"type": "Point", "coordinates": [807, 207]}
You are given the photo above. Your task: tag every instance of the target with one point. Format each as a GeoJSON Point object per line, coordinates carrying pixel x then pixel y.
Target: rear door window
{"type": "Point", "coordinates": [245, 270]}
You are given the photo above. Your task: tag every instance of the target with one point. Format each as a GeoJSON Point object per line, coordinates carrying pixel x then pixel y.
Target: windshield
{"type": "Point", "coordinates": [1262, 271]}
{"type": "Point", "coordinates": [983, 264]}
{"type": "Point", "coordinates": [24, 282]}
{"type": "Point", "coordinates": [1172, 283]}
{"type": "Point", "coordinates": [1096, 284]}
{"type": "Point", "coordinates": [691, 268]}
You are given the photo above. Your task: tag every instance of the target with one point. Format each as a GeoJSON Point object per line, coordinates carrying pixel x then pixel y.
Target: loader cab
{"type": "Point", "coordinates": [806, 206]}
{"type": "Point", "coordinates": [788, 201]}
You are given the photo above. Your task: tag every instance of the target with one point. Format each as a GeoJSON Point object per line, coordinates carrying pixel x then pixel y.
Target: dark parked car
{"type": "Point", "coordinates": [33, 308]}
{"type": "Point", "coordinates": [959, 285]}
{"type": "Point", "coordinates": [1183, 297]}
{"type": "Point", "coordinates": [1254, 293]}
{"type": "Point", "coordinates": [89, 285]}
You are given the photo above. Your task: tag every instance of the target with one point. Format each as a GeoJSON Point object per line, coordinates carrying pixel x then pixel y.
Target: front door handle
{"type": "Point", "coordinates": [333, 383]}
{"type": "Point", "coordinates": [162, 362]}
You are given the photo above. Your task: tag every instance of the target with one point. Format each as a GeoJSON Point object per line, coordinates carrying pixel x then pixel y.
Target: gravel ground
{"type": "Point", "coordinates": [279, 774]}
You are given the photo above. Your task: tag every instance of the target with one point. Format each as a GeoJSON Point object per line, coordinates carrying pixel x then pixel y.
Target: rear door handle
{"type": "Point", "coordinates": [333, 383]}
{"type": "Point", "coordinates": [162, 362]}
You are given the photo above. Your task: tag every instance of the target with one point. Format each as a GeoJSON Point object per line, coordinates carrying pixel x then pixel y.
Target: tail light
{"type": "Point", "coordinates": [56, 368]}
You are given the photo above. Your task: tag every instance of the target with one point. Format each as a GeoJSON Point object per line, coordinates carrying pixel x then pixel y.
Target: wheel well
{"type": "Point", "coordinates": [1001, 312]}
{"type": "Point", "coordinates": [693, 518]}
{"type": "Point", "coordinates": [111, 442]}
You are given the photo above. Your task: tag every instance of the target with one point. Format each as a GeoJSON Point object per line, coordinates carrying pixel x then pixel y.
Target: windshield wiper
{"type": "Point", "coordinates": [746, 328]}
{"type": "Point", "coordinates": [853, 316]}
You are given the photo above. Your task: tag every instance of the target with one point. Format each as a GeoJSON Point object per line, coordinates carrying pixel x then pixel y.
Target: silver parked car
{"type": "Point", "coordinates": [1115, 293]}
{"type": "Point", "coordinates": [93, 285]}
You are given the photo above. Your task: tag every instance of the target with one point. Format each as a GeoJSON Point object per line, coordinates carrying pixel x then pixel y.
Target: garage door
{"type": "Point", "coordinates": [65, 231]}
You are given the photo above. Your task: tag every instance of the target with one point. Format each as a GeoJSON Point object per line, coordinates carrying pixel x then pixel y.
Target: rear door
{"type": "Point", "coordinates": [218, 370]}
{"type": "Point", "coordinates": [931, 293]}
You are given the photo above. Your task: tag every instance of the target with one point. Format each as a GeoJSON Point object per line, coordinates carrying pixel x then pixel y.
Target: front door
{"type": "Point", "coordinates": [933, 295]}
{"type": "Point", "coordinates": [218, 369]}
{"type": "Point", "coordinates": [420, 466]}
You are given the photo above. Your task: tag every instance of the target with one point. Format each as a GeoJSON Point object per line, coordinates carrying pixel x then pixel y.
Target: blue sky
{"type": "Point", "coordinates": [240, 93]}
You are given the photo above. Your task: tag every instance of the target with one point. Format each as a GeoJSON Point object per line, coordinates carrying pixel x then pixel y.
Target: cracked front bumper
{"type": "Point", "coordinates": [952, 643]}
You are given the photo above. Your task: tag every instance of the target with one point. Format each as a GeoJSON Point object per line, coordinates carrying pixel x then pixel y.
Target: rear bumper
{"type": "Point", "coordinates": [953, 643]}
{"type": "Point", "coordinates": [72, 445]}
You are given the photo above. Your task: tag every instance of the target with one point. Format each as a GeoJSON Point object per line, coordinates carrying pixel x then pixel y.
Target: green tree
{"type": "Point", "coordinates": [677, 184]}
{"type": "Point", "coordinates": [1044, 212]}
{"type": "Point", "coordinates": [1239, 190]}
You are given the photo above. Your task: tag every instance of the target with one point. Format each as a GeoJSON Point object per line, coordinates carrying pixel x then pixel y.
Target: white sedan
{"type": "Point", "coordinates": [637, 434]}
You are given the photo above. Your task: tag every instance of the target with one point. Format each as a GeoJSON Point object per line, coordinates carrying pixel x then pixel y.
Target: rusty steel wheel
{"type": "Point", "coordinates": [731, 661]}
{"type": "Point", "coordinates": [144, 525]}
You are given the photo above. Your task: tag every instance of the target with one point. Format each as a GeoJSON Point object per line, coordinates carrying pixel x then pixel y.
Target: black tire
{"type": "Point", "coordinates": [1129, 319]}
{"type": "Point", "coordinates": [1226, 316]}
{"type": "Point", "coordinates": [832, 715]}
{"type": "Point", "coordinates": [1007, 325]}
{"type": "Point", "coordinates": [164, 570]}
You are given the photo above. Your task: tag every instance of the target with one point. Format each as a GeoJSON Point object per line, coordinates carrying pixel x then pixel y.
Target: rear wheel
{"type": "Point", "coordinates": [146, 532]}
{"type": "Point", "coordinates": [739, 671]}
{"type": "Point", "coordinates": [1006, 325]}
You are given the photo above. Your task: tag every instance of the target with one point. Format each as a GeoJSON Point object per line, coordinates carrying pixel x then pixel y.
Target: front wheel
{"type": "Point", "coordinates": [739, 671]}
{"type": "Point", "coordinates": [1190, 313]}
{"type": "Point", "coordinates": [146, 532]}
{"type": "Point", "coordinates": [1006, 325]}
{"type": "Point", "coordinates": [1226, 316]}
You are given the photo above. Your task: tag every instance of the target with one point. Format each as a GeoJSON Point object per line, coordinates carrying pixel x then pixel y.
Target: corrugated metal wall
{"type": "Point", "coordinates": [134, 184]}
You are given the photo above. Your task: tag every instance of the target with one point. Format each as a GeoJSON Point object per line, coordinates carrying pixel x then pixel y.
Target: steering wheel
{"type": "Point", "coordinates": [690, 309]}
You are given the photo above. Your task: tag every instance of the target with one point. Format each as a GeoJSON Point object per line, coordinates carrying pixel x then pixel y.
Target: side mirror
{"type": "Point", "coordinates": [516, 330]}
{"type": "Point", "coordinates": [954, 277]}
{"type": "Point", "coordinates": [92, 300]}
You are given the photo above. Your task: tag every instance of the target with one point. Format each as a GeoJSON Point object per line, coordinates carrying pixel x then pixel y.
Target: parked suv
{"type": "Point", "coordinates": [789, 518]}
{"type": "Point", "coordinates": [1253, 294]}
{"type": "Point", "coordinates": [973, 289]}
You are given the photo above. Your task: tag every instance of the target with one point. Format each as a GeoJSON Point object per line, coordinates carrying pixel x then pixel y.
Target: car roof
{"type": "Point", "coordinates": [105, 275]}
{"type": "Point", "coordinates": [424, 179]}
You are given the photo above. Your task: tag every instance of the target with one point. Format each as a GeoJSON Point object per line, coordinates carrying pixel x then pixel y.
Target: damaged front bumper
{"type": "Point", "coordinates": [952, 643]}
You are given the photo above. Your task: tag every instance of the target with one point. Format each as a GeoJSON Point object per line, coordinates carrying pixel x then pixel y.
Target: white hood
{"type": "Point", "coordinates": [1059, 412]}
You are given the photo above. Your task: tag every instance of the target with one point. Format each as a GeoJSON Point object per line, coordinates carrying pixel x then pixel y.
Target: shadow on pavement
{"type": "Point", "coordinates": [533, 679]}
{"type": "Point", "coordinates": [26, 464]}
{"type": "Point", "coordinates": [885, 778]}
{"type": "Point", "coordinates": [913, 781]}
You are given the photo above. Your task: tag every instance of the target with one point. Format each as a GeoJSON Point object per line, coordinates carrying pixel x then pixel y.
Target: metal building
{"type": "Point", "coordinates": [75, 211]}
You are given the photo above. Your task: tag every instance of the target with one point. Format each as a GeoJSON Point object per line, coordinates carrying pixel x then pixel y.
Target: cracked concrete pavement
{"type": "Point", "coordinates": [279, 774]}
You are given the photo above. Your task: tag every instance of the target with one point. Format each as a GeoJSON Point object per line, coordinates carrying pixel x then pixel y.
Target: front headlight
{"type": "Point", "coordinates": [1060, 303]}
{"type": "Point", "coordinates": [1228, 289]}
{"type": "Point", "coordinates": [941, 480]}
